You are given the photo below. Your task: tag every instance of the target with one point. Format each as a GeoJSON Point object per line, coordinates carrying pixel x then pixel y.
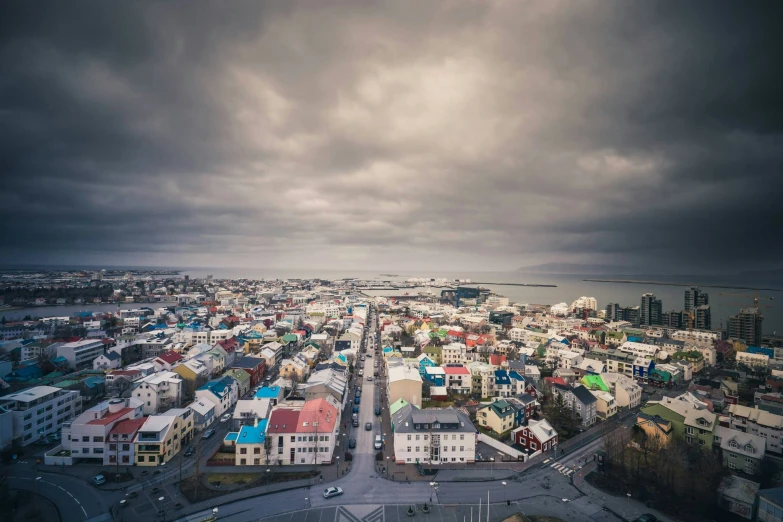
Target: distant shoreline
{"type": "Point", "coordinates": [669, 283]}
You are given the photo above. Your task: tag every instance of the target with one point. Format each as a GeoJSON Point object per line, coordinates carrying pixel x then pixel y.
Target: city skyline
{"type": "Point", "coordinates": [406, 136]}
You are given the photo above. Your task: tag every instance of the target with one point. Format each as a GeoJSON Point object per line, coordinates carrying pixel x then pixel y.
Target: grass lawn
{"type": "Point", "coordinates": [221, 456]}
{"type": "Point", "coordinates": [436, 404]}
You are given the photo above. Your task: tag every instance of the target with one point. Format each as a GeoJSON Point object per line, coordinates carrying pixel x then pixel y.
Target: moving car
{"type": "Point", "coordinates": [369, 378]}
{"type": "Point", "coordinates": [332, 492]}
{"type": "Point", "coordinates": [368, 426]}
{"type": "Point", "coordinates": [369, 355]}
{"type": "Point", "coordinates": [99, 480]}
{"type": "Point", "coordinates": [207, 434]}
{"type": "Point", "coordinates": [226, 417]}
{"type": "Point", "coordinates": [190, 451]}
{"type": "Point", "coordinates": [352, 443]}
{"type": "Point", "coordinates": [377, 410]}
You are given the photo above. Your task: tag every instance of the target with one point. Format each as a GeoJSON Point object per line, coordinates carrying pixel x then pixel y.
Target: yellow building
{"type": "Point", "coordinates": [655, 428]}
{"type": "Point", "coordinates": [163, 436]}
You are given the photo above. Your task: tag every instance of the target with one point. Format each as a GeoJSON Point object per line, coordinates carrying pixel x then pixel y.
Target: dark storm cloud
{"type": "Point", "coordinates": [445, 135]}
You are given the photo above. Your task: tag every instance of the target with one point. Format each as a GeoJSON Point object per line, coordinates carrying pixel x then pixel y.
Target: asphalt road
{"type": "Point", "coordinates": [76, 499]}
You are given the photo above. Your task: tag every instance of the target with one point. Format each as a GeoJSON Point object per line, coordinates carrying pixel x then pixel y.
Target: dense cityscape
{"type": "Point", "coordinates": [391, 261]}
{"type": "Point", "coordinates": [215, 392]}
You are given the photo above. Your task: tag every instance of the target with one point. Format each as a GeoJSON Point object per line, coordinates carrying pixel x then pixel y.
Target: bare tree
{"type": "Point", "coordinates": [46, 354]}
{"type": "Point", "coordinates": [512, 352]}
{"type": "Point", "coordinates": [484, 352]}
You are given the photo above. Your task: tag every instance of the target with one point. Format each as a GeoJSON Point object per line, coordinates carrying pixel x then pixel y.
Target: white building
{"type": "Point", "coordinates": [753, 359]}
{"type": "Point", "coordinates": [647, 351]}
{"type": "Point", "coordinates": [159, 392]}
{"type": "Point", "coordinates": [81, 353]}
{"type": "Point", "coordinates": [40, 411]}
{"type": "Point", "coordinates": [453, 353]}
{"type": "Point", "coordinates": [433, 436]}
{"type": "Point", "coordinates": [587, 303]}
{"type": "Point", "coordinates": [87, 436]}
{"type": "Point", "coordinates": [107, 361]}
{"type": "Point", "coordinates": [759, 422]}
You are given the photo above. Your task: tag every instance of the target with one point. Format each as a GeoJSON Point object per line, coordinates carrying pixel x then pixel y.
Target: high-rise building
{"type": "Point", "coordinates": [672, 319]}
{"type": "Point", "coordinates": [746, 325]}
{"type": "Point", "coordinates": [631, 314]}
{"type": "Point", "coordinates": [613, 312]}
{"type": "Point", "coordinates": [702, 317]}
{"type": "Point", "coordinates": [695, 297]}
{"type": "Point", "coordinates": [651, 311]}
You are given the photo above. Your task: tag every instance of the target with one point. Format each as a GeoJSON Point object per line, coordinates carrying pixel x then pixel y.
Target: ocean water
{"type": "Point", "coordinates": [724, 302]}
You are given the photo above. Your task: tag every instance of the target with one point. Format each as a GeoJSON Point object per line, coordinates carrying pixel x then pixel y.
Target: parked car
{"type": "Point", "coordinates": [190, 451]}
{"type": "Point", "coordinates": [647, 517]}
{"type": "Point", "coordinates": [368, 426]}
{"type": "Point", "coordinates": [99, 480]}
{"type": "Point", "coordinates": [226, 417]}
{"type": "Point", "coordinates": [356, 409]}
{"type": "Point", "coordinates": [332, 492]}
{"type": "Point", "coordinates": [207, 434]}
{"type": "Point", "coordinates": [357, 400]}
{"type": "Point", "coordinates": [352, 443]}
{"type": "Point", "coordinates": [378, 442]}
{"type": "Point", "coordinates": [377, 410]}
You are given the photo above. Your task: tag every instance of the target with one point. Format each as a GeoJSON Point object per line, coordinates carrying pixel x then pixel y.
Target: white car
{"type": "Point", "coordinates": [369, 378]}
{"type": "Point", "coordinates": [332, 492]}
{"type": "Point", "coordinates": [225, 418]}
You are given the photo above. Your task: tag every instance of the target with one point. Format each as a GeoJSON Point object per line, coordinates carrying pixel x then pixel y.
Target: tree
{"type": "Point", "coordinates": [512, 352]}
{"type": "Point", "coordinates": [484, 352]}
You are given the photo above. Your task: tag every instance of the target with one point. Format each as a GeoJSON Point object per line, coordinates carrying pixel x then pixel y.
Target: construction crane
{"type": "Point", "coordinates": [755, 295]}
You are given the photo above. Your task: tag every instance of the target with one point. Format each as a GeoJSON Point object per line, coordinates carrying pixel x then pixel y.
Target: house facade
{"type": "Point", "coordinates": [536, 436]}
{"type": "Point", "coordinates": [434, 436]}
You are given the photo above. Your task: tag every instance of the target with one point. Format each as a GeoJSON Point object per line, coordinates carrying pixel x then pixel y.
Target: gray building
{"type": "Point", "coordinates": [651, 310]}
{"type": "Point", "coordinates": [694, 298]}
{"type": "Point", "coordinates": [746, 325]}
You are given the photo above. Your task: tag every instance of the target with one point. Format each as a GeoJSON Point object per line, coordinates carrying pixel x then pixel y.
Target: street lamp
{"type": "Point", "coordinates": [629, 503]}
{"type": "Point", "coordinates": [387, 467]}
{"type": "Point", "coordinates": [508, 503]}
{"type": "Point", "coordinates": [306, 501]}
{"type": "Point", "coordinates": [435, 488]}
{"type": "Point", "coordinates": [338, 466]}
{"type": "Point", "coordinates": [267, 476]}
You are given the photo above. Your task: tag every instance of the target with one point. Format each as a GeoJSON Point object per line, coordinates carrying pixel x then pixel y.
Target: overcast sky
{"type": "Point", "coordinates": [395, 135]}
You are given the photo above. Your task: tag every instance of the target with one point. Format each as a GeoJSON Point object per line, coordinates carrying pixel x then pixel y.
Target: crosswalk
{"type": "Point", "coordinates": [565, 470]}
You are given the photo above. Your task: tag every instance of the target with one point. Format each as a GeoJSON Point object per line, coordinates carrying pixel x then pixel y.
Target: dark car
{"type": "Point", "coordinates": [368, 426]}
{"type": "Point", "coordinates": [356, 409]}
{"type": "Point", "coordinates": [190, 451]}
{"type": "Point", "coordinates": [352, 443]}
{"type": "Point", "coordinates": [357, 400]}
{"type": "Point", "coordinates": [377, 410]}
{"type": "Point", "coordinates": [647, 517]}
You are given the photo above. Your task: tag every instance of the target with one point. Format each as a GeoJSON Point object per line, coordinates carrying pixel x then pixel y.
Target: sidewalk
{"type": "Point", "coordinates": [624, 507]}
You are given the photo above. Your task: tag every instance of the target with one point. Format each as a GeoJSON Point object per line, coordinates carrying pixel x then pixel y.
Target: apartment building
{"type": "Point", "coordinates": [758, 422]}
{"type": "Point", "coordinates": [87, 436]}
{"type": "Point", "coordinates": [40, 411]}
{"type": "Point", "coordinates": [457, 378]}
{"type": "Point", "coordinates": [580, 400]}
{"type": "Point", "coordinates": [454, 353]}
{"type": "Point", "coordinates": [303, 436]}
{"type": "Point", "coordinates": [627, 393]}
{"type": "Point", "coordinates": [434, 436]}
{"type": "Point", "coordinates": [81, 354]}
{"type": "Point", "coordinates": [605, 405]}
{"type": "Point", "coordinates": [159, 392]}
{"type": "Point", "coordinates": [162, 436]}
